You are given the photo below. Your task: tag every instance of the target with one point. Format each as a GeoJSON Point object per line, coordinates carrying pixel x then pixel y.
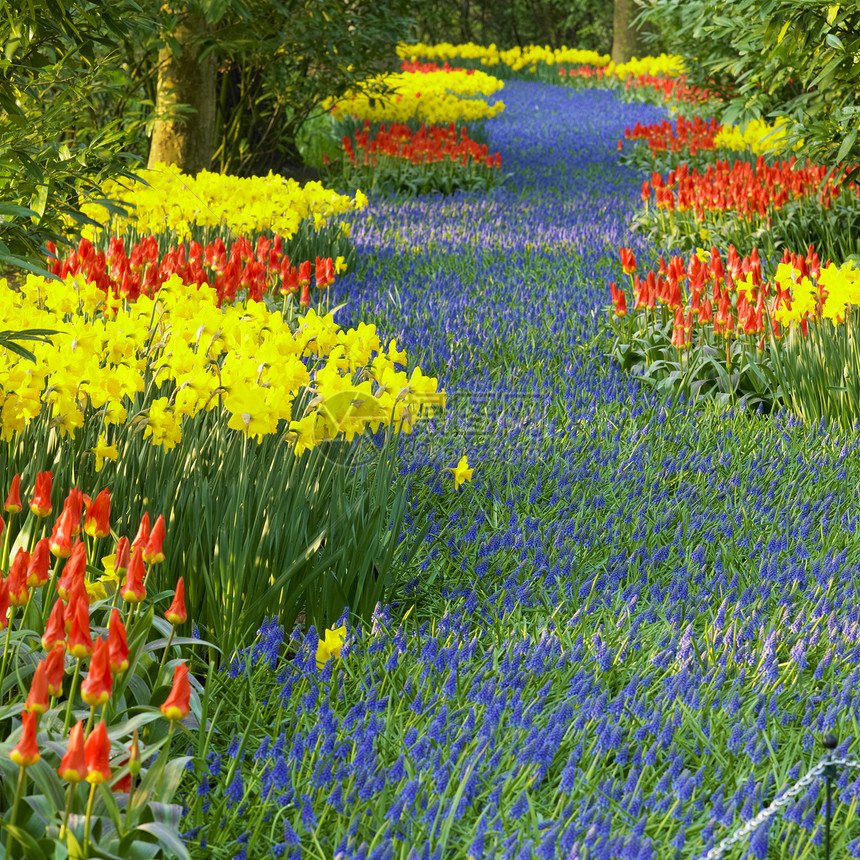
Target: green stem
{"type": "Point", "coordinates": [166, 649]}
{"type": "Point", "coordinates": [6, 646]}
{"type": "Point", "coordinates": [165, 750]}
{"type": "Point", "coordinates": [71, 698]}
{"type": "Point", "coordinates": [87, 823]}
{"type": "Point", "coordinates": [69, 800]}
{"type": "Point", "coordinates": [19, 790]}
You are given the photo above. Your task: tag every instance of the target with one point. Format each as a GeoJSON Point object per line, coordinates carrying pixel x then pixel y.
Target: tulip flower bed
{"type": "Point", "coordinates": [96, 679]}
{"type": "Point", "coordinates": [180, 208]}
{"type": "Point", "coordinates": [252, 271]}
{"type": "Point", "coordinates": [625, 620]}
{"type": "Point", "coordinates": [716, 185]}
{"type": "Point", "coordinates": [399, 158]}
{"type": "Point", "coordinates": [699, 327]}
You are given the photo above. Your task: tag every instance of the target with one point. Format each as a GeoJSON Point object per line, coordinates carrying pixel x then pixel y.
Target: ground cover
{"type": "Point", "coordinates": [625, 634]}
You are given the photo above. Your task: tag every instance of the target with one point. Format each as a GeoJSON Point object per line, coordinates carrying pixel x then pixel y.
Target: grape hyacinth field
{"type": "Point", "coordinates": [624, 635]}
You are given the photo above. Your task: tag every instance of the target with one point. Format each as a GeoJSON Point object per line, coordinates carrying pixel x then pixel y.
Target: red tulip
{"type": "Point", "coordinates": [80, 642]}
{"type": "Point", "coordinates": [37, 698]}
{"type": "Point", "coordinates": [142, 536]}
{"type": "Point", "coordinates": [73, 767]}
{"type": "Point", "coordinates": [133, 590]}
{"type": "Point", "coordinates": [17, 579]}
{"type": "Point", "coordinates": [97, 520]}
{"type": "Point", "coordinates": [38, 571]}
{"type": "Point", "coordinates": [55, 668]}
{"type": "Point", "coordinates": [55, 629]}
{"type": "Point", "coordinates": [97, 755]}
{"type": "Point", "coordinates": [13, 500]}
{"type": "Point", "coordinates": [96, 687]}
{"type": "Point", "coordinates": [41, 503]}
{"type": "Point", "coordinates": [152, 552]}
{"type": "Point", "coordinates": [178, 703]}
{"type": "Point", "coordinates": [74, 571]}
{"type": "Point", "coordinates": [176, 612]}
{"type": "Point", "coordinates": [61, 536]}
{"type": "Point", "coordinates": [26, 751]}
{"type": "Point", "coordinates": [117, 643]}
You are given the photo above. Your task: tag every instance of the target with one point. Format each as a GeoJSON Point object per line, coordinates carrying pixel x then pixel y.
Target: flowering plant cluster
{"type": "Point", "coordinates": [85, 679]}
{"type": "Point", "coordinates": [748, 199]}
{"type": "Point", "coordinates": [434, 158]}
{"type": "Point", "coordinates": [673, 91]}
{"type": "Point", "coordinates": [252, 270]}
{"type": "Point", "coordinates": [691, 136]}
{"type": "Point", "coordinates": [162, 360]}
{"type": "Point", "coordinates": [726, 322]}
{"type": "Point", "coordinates": [209, 204]}
{"type": "Point", "coordinates": [426, 96]}
{"type": "Point", "coordinates": [516, 58]}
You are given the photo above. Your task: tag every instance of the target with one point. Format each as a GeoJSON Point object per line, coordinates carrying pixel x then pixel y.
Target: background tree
{"type": "Point", "coordinates": [627, 39]}
{"type": "Point", "coordinates": [238, 80]}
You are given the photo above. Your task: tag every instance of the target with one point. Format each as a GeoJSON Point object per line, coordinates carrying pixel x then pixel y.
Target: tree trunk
{"type": "Point", "coordinates": [626, 40]}
{"type": "Point", "coordinates": [187, 138]}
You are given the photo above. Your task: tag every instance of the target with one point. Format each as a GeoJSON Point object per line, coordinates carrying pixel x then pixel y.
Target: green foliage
{"type": "Point", "coordinates": [789, 58]}
{"type": "Point", "coordinates": [727, 370]}
{"type": "Point", "coordinates": [820, 373]}
{"type": "Point", "coordinates": [280, 61]}
{"type": "Point", "coordinates": [56, 67]}
{"type": "Point", "coordinates": [585, 24]}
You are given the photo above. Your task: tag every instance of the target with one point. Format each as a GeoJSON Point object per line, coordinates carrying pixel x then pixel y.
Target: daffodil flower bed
{"type": "Point", "coordinates": [160, 361]}
{"type": "Point", "coordinates": [517, 58]}
{"type": "Point", "coordinates": [209, 204]}
{"type": "Point", "coordinates": [434, 97]}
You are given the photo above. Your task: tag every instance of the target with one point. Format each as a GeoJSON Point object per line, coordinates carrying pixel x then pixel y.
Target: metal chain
{"type": "Point", "coordinates": [770, 811]}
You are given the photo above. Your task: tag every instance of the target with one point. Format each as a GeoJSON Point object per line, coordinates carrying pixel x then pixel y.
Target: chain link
{"type": "Point", "coordinates": [770, 811]}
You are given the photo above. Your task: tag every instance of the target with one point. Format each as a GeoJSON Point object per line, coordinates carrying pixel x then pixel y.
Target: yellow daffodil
{"type": "Point", "coordinates": [103, 452]}
{"type": "Point", "coordinates": [330, 646]}
{"type": "Point", "coordinates": [461, 472]}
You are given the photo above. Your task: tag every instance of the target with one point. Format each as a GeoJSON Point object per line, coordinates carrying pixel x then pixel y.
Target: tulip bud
{"type": "Point", "coordinates": [26, 751]}
{"type": "Point", "coordinates": [117, 643]}
{"type": "Point", "coordinates": [37, 698]}
{"type": "Point", "coordinates": [38, 571]}
{"type": "Point", "coordinates": [13, 500]}
{"type": "Point", "coordinates": [178, 703]}
{"type": "Point", "coordinates": [133, 590]}
{"type": "Point", "coordinates": [176, 612]}
{"type": "Point", "coordinates": [73, 767]}
{"type": "Point", "coordinates": [41, 503]}
{"type": "Point", "coordinates": [55, 668]}
{"type": "Point", "coordinates": [96, 687]}
{"type": "Point", "coordinates": [97, 755]}
{"type": "Point", "coordinates": [152, 552]}
{"type": "Point", "coordinates": [134, 755]}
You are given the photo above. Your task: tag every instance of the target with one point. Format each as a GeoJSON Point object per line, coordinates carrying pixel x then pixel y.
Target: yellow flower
{"type": "Point", "coordinates": [103, 452]}
{"type": "Point", "coordinates": [461, 472]}
{"type": "Point", "coordinates": [95, 591]}
{"type": "Point", "coordinates": [110, 574]}
{"type": "Point", "coordinates": [340, 265]}
{"type": "Point", "coordinates": [330, 646]}
{"type": "Point", "coordinates": [360, 199]}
